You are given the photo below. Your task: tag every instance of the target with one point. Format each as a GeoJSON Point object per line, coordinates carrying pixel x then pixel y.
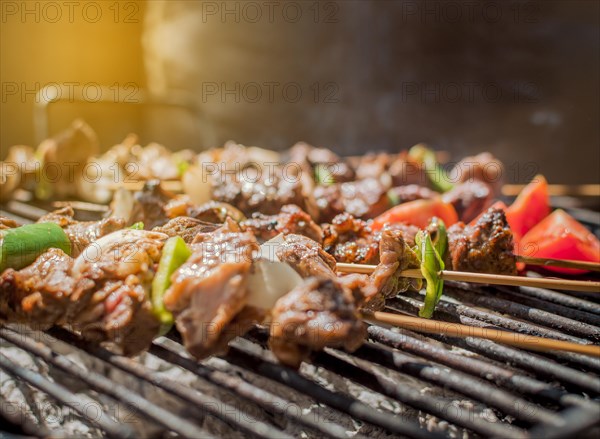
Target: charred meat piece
{"type": "Point", "coordinates": [185, 227]}
{"type": "Point", "coordinates": [408, 232]}
{"type": "Point", "coordinates": [307, 257]}
{"type": "Point", "coordinates": [111, 301]}
{"type": "Point", "coordinates": [350, 240]}
{"type": "Point", "coordinates": [7, 223]}
{"type": "Point", "coordinates": [291, 219]}
{"type": "Point", "coordinates": [317, 314]}
{"type": "Point", "coordinates": [149, 205]}
{"type": "Point", "coordinates": [486, 247]}
{"type": "Point", "coordinates": [410, 192]}
{"type": "Point", "coordinates": [259, 190]}
{"type": "Point", "coordinates": [469, 199]}
{"type": "Point", "coordinates": [81, 233]}
{"type": "Point", "coordinates": [40, 293]}
{"type": "Point", "coordinates": [323, 163]}
{"type": "Point", "coordinates": [395, 256]}
{"type": "Point", "coordinates": [211, 212]}
{"type": "Point", "coordinates": [209, 290]}
{"type": "Point", "coordinates": [363, 199]}
{"type": "Point", "coordinates": [483, 167]}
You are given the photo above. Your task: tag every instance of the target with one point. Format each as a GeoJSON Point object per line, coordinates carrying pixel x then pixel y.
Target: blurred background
{"type": "Point", "coordinates": [517, 78]}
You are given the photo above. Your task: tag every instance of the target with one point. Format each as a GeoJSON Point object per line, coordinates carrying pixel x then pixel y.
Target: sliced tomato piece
{"type": "Point", "coordinates": [560, 236]}
{"type": "Point", "coordinates": [531, 206]}
{"type": "Point", "coordinates": [418, 213]}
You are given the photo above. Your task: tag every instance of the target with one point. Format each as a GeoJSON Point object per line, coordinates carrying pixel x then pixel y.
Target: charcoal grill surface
{"type": "Point", "coordinates": [399, 384]}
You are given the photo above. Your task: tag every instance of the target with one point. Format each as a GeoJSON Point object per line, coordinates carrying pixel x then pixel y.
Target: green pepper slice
{"type": "Point", "coordinates": [431, 265]}
{"type": "Point", "coordinates": [175, 253]}
{"type": "Point", "coordinates": [437, 176]}
{"type": "Point", "coordinates": [22, 245]}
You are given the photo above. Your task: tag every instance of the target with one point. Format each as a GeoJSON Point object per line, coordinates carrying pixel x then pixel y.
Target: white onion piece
{"type": "Point", "coordinates": [196, 184]}
{"type": "Point", "coordinates": [271, 278]}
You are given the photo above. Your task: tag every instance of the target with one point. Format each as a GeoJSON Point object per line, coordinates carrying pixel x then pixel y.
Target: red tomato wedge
{"type": "Point", "coordinates": [418, 213]}
{"type": "Point", "coordinates": [560, 236]}
{"type": "Point", "coordinates": [531, 206]}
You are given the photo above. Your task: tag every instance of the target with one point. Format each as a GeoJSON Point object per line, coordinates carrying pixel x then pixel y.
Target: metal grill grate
{"type": "Point", "coordinates": [433, 382]}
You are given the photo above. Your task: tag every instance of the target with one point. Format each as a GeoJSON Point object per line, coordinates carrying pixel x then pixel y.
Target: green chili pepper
{"type": "Point", "coordinates": [437, 176]}
{"type": "Point", "coordinates": [431, 265]}
{"type": "Point", "coordinates": [323, 174]}
{"type": "Point", "coordinates": [22, 245]}
{"type": "Point", "coordinates": [175, 253]}
{"type": "Point", "coordinates": [137, 226]}
{"type": "Point", "coordinates": [437, 228]}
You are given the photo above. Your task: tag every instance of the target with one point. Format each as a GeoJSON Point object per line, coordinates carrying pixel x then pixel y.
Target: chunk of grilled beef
{"type": "Point", "coordinates": [291, 219]}
{"type": "Point", "coordinates": [81, 233]}
{"type": "Point", "coordinates": [363, 199]}
{"type": "Point", "coordinates": [209, 290]}
{"type": "Point", "coordinates": [318, 313]}
{"type": "Point", "coordinates": [111, 300]}
{"type": "Point", "coordinates": [211, 212]}
{"type": "Point", "coordinates": [149, 205]}
{"type": "Point", "coordinates": [469, 199]}
{"type": "Point", "coordinates": [306, 256]}
{"type": "Point", "coordinates": [40, 293]}
{"type": "Point", "coordinates": [186, 227]}
{"type": "Point", "coordinates": [322, 163]}
{"type": "Point", "coordinates": [486, 247]}
{"type": "Point", "coordinates": [482, 167]}
{"type": "Point", "coordinates": [350, 240]}
{"type": "Point", "coordinates": [7, 223]}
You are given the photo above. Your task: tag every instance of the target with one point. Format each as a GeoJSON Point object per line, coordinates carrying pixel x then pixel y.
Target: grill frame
{"type": "Point", "coordinates": [556, 395]}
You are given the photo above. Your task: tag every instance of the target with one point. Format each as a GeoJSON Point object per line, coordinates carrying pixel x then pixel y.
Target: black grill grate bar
{"type": "Point", "coordinates": [202, 402]}
{"type": "Point", "coordinates": [549, 296]}
{"type": "Point", "coordinates": [459, 382]}
{"type": "Point", "coordinates": [406, 341]}
{"type": "Point", "coordinates": [239, 387]}
{"type": "Point", "coordinates": [106, 386]}
{"type": "Point", "coordinates": [250, 356]}
{"type": "Point", "coordinates": [492, 300]}
{"type": "Point", "coordinates": [576, 422]}
{"type": "Point", "coordinates": [477, 317]}
{"type": "Point", "coordinates": [336, 361]}
{"type": "Point", "coordinates": [60, 393]}
{"type": "Point", "coordinates": [364, 373]}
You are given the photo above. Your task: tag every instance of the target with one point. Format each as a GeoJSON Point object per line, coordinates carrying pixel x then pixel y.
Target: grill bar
{"type": "Point", "coordinates": [211, 405]}
{"type": "Point", "coordinates": [112, 428]}
{"type": "Point", "coordinates": [106, 386]}
{"type": "Point", "coordinates": [266, 400]}
{"type": "Point", "coordinates": [555, 297]}
{"type": "Point", "coordinates": [251, 356]}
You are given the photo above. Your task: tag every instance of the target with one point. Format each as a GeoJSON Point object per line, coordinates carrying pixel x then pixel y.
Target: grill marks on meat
{"type": "Point", "coordinates": [209, 290]}
{"type": "Point", "coordinates": [290, 220]}
{"type": "Point", "coordinates": [486, 247]}
{"type": "Point", "coordinates": [350, 240]}
{"type": "Point", "coordinates": [316, 314]}
{"type": "Point", "coordinates": [81, 233]}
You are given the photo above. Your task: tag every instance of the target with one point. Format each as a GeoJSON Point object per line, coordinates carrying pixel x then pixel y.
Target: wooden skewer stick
{"type": "Point", "coordinates": [581, 190]}
{"type": "Point", "coordinates": [457, 330]}
{"type": "Point", "coordinates": [565, 263]}
{"type": "Point", "coordinates": [494, 279]}
{"type": "Point", "coordinates": [82, 205]}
